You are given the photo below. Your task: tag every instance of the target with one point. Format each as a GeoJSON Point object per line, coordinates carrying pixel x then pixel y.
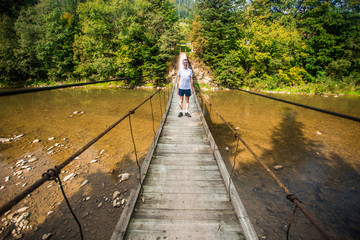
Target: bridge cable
{"type": "Point", "coordinates": [47, 177]}
{"type": "Point", "coordinates": [136, 156]}
{"type": "Point", "coordinates": [356, 119]}
{"type": "Point", "coordinates": [152, 116]}
{"type": "Point", "coordinates": [291, 197]}
{"type": "Point", "coordinates": [54, 175]}
{"type": "Point", "coordinates": [233, 167]}
{"type": "Point", "coordinates": [38, 89]}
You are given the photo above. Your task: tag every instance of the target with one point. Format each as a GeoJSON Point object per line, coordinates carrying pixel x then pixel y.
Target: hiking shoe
{"type": "Point", "coordinates": [180, 114]}
{"type": "Point", "coordinates": [187, 114]}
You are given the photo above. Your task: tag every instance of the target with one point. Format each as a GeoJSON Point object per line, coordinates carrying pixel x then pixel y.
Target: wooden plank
{"type": "Point", "coordinates": [186, 214]}
{"type": "Point", "coordinates": [183, 234]}
{"type": "Point", "coordinates": [185, 156]}
{"type": "Point", "coordinates": [189, 225]}
{"type": "Point", "coordinates": [182, 162]}
{"type": "Point", "coordinates": [186, 167]}
{"type": "Point", "coordinates": [186, 183]}
{"type": "Point", "coordinates": [183, 189]}
{"type": "Point", "coordinates": [184, 175]}
{"type": "Point", "coordinates": [180, 148]}
{"type": "Point", "coordinates": [199, 196]}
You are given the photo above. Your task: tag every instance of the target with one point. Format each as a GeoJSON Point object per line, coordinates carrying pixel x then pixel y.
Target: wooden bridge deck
{"type": "Point", "coordinates": [185, 192]}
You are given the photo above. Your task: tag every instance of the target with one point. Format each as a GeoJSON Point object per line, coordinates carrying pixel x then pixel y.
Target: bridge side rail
{"type": "Point", "coordinates": [125, 217]}
{"type": "Point", "coordinates": [239, 208]}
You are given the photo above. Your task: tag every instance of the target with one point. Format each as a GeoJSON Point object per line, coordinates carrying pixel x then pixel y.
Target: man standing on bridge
{"type": "Point", "coordinates": [184, 84]}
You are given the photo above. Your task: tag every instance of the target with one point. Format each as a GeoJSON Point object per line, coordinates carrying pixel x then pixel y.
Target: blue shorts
{"type": "Point", "coordinates": [186, 92]}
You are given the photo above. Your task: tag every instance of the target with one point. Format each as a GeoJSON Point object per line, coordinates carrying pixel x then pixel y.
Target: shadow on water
{"type": "Point", "coordinates": [327, 182]}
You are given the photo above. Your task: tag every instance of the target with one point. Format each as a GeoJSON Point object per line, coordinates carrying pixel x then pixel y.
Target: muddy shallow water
{"type": "Point", "coordinates": [73, 117]}
{"type": "Point", "coordinates": [319, 157]}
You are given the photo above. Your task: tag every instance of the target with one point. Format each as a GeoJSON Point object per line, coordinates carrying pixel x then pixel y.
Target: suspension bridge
{"type": "Point", "coordinates": [184, 190]}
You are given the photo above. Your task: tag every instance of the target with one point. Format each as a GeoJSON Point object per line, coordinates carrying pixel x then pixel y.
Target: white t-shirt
{"type": "Point", "coordinates": [185, 75]}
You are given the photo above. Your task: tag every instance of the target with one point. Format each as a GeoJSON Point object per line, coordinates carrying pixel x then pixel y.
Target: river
{"type": "Point", "coordinates": [318, 158]}
{"type": "Point", "coordinates": [55, 124]}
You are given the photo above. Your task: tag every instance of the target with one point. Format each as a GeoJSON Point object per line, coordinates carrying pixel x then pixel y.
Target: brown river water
{"type": "Point", "coordinates": [319, 155]}
{"type": "Point", "coordinates": [51, 114]}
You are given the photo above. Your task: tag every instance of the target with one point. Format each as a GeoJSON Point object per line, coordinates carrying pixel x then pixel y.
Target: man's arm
{"type": "Point", "coordinates": [192, 85]}
{"type": "Point", "coordinates": [177, 83]}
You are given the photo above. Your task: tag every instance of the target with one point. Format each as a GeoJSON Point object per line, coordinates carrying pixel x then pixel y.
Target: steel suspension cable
{"type": "Point", "coordinates": [289, 195]}
{"type": "Point", "coordinates": [28, 90]}
{"type": "Point", "coordinates": [356, 119]}
{"type": "Point", "coordinates": [46, 177]}
{"type": "Point", "coordinates": [152, 116]}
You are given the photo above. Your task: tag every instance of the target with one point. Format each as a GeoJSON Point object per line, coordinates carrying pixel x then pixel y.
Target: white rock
{"type": "Point", "coordinates": [116, 194]}
{"type": "Point", "coordinates": [57, 144]}
{"type": "Point", "coordinates": [49, 213]}
{"type": "Point", "coordinates": [21, 161]}
{"type": "Point", "coordinates": [23, 209]}
{"type": "Point", "coordinates": [100, 204]}
{"type": "Point", "coordinates": [23, 216]}
{"type": "Point", "coordinates": [51, 138]}
{"type": "Point", "coordinates": [46, 236]}
{"type": "Point", "coordinates": [24, 184]}
{"type": "Point", "coordinates": [32, 160]}
{"type": "Point", "coordinates": [70, 176]}
{"type": "Point", "coordinates": [50, 148]}
{"type": "Point", "coordinates": [7, 178]}
{"type": "Point", "coordinates": [124, 177]}
{"type": "Point", "coordinates": [116, 202]}
{"type": "Point", "coordinates": [4, 140]}
{"type": "Point", "coordinates": [18, 173]}
{"type": "Point", "coordinates": [227, 148]}
{"type": "Point", "coordinates": [278, 167]}
{"type": "Point", "coordinates": [36, 141]}
{"type": "Point", "coordinates": [18, 136]}
{"type": "Point", "coordinates": [123, 201]}
{"type": "Point", "coordinates": [93, 161]}
{"type": "Point", "coordinates": [84, 182]}
{"type": "Point", "coordinates": [101, 152]}
{"type": "Point", "coordinates": [25, 167]}
{"type": "Point", "coordinates": [52, 151]}
{"type": "Point", "coordinates": [87, 198]}
{"type": "Point", "coordinates": [319, 133]}
{"type": "Point", "coordinates": [2, 187]}
{"type": "Point", "coordinates": [31, 155]}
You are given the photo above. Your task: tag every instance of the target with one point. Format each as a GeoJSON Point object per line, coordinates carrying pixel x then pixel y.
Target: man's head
{"type": "Point", "coordinates": [185, 63]}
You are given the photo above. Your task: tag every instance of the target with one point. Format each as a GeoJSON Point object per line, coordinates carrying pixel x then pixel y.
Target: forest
{"type": "Point", "coordinates": [305, 45]}
{"type": "Point", "coordinates": [73, 40]}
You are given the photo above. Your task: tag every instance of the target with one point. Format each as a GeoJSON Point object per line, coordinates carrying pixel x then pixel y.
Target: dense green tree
{"type": "Point", "coordinates": [218, 30]}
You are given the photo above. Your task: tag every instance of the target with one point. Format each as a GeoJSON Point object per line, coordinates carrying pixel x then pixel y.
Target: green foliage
{"type": "Point", "coordinates": [280, 44]}
{"type": "Point", "coordinates": [57, 40]}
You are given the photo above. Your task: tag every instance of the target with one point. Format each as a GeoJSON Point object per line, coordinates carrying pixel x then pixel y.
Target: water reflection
{"type": "Point", "coordinates": [320, 164]}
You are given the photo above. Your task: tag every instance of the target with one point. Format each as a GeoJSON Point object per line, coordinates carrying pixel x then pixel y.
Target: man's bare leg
{"type": "Point", "coordinates": [187, 107]}
{"type": "Point", "coordinates": [181, 103]}
{"type": "Point", "coordinates": [187, 103]}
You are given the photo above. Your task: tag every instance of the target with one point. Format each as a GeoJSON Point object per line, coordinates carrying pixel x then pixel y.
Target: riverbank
{"type": "Point", "coordinates": [324, 86]}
